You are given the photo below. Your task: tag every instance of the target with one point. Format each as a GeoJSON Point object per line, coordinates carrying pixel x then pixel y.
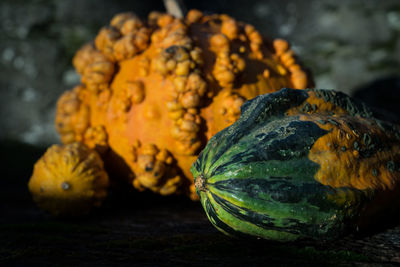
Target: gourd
{"type": "Point", "coordinates": [153, 92]}
{"type": "Point", "coordinates": [69, 180]}
{"type": "Point", "coordinates": [301, 164]}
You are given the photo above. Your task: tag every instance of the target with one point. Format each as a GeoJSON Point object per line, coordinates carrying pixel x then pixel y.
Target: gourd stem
{"type": "Point", "coordinates": [200, 183]}
{"type": "Point", "coordinates": [175, 7]}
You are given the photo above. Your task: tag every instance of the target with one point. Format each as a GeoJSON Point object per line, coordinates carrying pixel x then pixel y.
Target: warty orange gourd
{"type": "Point", "coordinates": [153, 92]}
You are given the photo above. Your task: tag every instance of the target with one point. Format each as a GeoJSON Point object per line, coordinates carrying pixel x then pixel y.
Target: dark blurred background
{"type": "Point", "coordinates": [346, 44]}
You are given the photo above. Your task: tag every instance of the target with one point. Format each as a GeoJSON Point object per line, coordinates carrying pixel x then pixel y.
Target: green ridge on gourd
{"type": "Point", "coordinates": [255, 177]}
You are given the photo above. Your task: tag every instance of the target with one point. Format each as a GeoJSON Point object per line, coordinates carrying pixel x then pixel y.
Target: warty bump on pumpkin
{"type": "Point", "coordinates": [153, 92]}
{"type": "Point", "coordinates": [69, 180]}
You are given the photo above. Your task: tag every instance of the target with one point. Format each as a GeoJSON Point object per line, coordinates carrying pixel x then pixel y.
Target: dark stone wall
{"type": "Point", "coordinates": [345, 43]}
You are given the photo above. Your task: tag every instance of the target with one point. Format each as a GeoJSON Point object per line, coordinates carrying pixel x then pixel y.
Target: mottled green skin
{"type": "Point", "coordinates": [259, 181]}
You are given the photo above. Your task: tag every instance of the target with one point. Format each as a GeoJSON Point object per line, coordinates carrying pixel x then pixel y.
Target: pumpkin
{"type": "Point", "coordinates": [69, 180]}
{"type": "Point", "coordinates": [300, 164]}
{"type": "Point", "coordinates": [153, 92]}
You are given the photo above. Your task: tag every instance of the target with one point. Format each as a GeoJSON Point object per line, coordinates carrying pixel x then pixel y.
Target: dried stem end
{"type": "Point", "coordinates": [200, 183]}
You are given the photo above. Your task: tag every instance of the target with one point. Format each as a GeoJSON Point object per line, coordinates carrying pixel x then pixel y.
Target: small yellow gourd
{"type": "Point", "coordinates": [69, 180]}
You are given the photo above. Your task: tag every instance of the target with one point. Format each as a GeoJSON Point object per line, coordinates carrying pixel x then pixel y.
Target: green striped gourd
{"type": "Point", "coordinates": [300, 164]}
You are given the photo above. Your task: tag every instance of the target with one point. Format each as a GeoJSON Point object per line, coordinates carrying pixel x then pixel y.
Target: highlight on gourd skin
{"type": "Point", "coordinates": [154, 91]}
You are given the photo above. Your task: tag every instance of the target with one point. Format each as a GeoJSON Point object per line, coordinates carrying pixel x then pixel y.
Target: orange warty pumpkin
{"type": "Point", "coordinates": [153, 92]}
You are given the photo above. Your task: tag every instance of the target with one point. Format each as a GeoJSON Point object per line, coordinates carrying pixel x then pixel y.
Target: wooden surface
{"type": "Point", "coordinates": [144, 229]}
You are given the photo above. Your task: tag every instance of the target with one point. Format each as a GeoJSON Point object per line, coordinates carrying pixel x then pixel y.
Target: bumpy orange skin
{"type": "Point", "coordinates": [154, 92]}
{"type": "Point", "coordinates": [69, 180]}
